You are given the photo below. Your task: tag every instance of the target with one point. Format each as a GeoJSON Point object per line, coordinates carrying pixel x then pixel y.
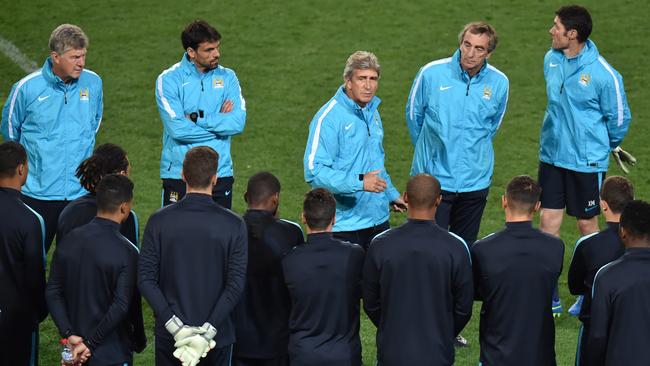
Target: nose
{"type": "Point", "coordinates": [550, 31]}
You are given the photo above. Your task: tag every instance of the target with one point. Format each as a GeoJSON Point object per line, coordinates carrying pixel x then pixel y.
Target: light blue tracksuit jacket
{"type": "Point", "coordinates": [452, 119]}
{"type": "Point", "coordinates": [345, 141]}
{"type": "Point", "coordinates": [587, 113]}
{"type": "Point", "coordinates": [56, 123]}
{"type": "Point", "coordinates": [183, 89]}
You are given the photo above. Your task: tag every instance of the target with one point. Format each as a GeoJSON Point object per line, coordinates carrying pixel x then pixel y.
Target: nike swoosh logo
{"type": "Point", "coordinates": [186, 83]}
{"type": "Point", "coordinates": [552, 65]}
{"type": "Point", "coordinates": [590, 208]}
{"type": "Point", "coordinates": [348, 126]}
{"type": "Point", "coordinates": [40, 99]}
{"type": "Point", "coordinates": [442, 88]}
{"type": "Point", "coordinates": [227, 193]}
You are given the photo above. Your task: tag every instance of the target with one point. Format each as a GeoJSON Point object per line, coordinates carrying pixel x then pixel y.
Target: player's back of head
{"type": "Point", "coordinates": [422, 191]}
{"type": "Point", "coordinates": [635, 221]}
{"type": "Point", "coordinates": [12, 154]}
{"type": "Point", "coordinates": [523, 194]}
{"type": "Point", "coordinates": [200, 166]}
{"type": "Point", "coordinates": [112, 191]}
{"type": "Point", "coordinates": [617, 191]}
{"type": "Point", "coordinates": [319, 209]}
{"type": "Point", "coordinates": [106, 159]}
{"type": "Point", "coordinates": [261, 187]}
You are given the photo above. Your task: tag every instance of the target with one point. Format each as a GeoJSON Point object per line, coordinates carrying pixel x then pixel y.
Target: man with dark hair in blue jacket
{"type": "Point", "coordinates": [92, 283]}
{"type": "Point", "coordinates": [620, 311]}
{"type": "Point", "coordinates": [200, 104]}
{"type": "Point", "coordinates": [22, 254]}
{"type": "Point", "coordinates": [192, 269]}
{"type": "Point", "coordinates": [345, 155]}
{"type": "Point", "coordinates": [55, 113]}
{"type": "Point", "coordinates": [587, 116]}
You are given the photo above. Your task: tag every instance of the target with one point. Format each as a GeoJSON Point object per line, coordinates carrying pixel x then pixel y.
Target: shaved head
{"type": "Point", "coordinates": [422, 191]}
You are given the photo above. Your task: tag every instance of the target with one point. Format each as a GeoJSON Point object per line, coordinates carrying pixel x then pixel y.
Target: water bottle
{"type": "Point", "coordinates": [66, 353]}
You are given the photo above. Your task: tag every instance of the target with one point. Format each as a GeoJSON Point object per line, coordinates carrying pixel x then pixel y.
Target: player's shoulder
{"type": "Point", "coordinates": [34, 81]}
{"type": "Point", "coordinates": [225, 71]}
{"type": "Point", "coordinates": [609, 272]}
{"type": "Point", "coordinates": [290, 226]}
{"type": "Point", "coordinates": [486, 241]}
{"type": "Point", "coordinates": [91, 76]}
{"type": "Point", "coordinates": [497, 74]}
{"type": "Point", "coordinates": [171, 73]}
{"type": "Point", "coordinates": [128, 244]}
{"type": "Point", "coordinates": [436, 65]}
{"type": "Point", "coordinates": [587, 240]}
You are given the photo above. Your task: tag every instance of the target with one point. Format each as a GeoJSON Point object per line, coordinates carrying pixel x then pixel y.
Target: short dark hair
{"type": "Point", "coordinates": [261, 187]}
{"type": "Point", "coordinates": [197, 32]}
{"type": "Point", "coordinates": [422, 191]}
{"type": "Point", "coordinates": [617, 191]}
{"type": "Point", "coordinates": [523, 193]}
{"type": "Point", "coordinates": [199, 166]}
{"type": "Point", "coordinates": [576, 17]}
{"type": "Point", "coordinates": [12, 154]}
{"type": "Point", "coordinates": [112, 191]}
{"type": "Point", "coordinates": [319, 208]}
{"type": "Point", "coordinates": [106, 159]}
{"type": "Point", "coordinates": [635, 219]}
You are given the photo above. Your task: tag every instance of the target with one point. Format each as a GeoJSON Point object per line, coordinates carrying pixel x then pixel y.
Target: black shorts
{"type": "Point", "coordinates": [578, 192]}
{"type": "Point", "coordinates": [174, 190]}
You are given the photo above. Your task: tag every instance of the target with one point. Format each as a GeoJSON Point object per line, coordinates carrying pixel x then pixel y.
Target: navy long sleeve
{"type": "Point", "coordinates": [91, 288]}
{"type": "Point", "coordinates": [323, 276]}
{"type": "Point", "coordinates": [620, 311]}
{"type": "Point", "coordinates": [193, 264]}
{"type": "Point", "coordinates": [22, 264]}
{"type": "Point", "coordinates": [417, 290]}
{"type": "Point", "coordinates": [515, 271]}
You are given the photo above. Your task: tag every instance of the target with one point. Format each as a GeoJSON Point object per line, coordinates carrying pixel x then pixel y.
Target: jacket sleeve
{"type": "Point", "coordinates": [371, 289]}
{"type": "Point", "coordinates": [13, 114]}
{"type": "Point", "coordinates": [148, 268]}
{"type": "Point", "coordinates": [233, 122]}
{"type": "Point", "coordinates": [119, 308]}
{"type": "Point", "coordinates": [600, 321]}
{"type": "Point", "coordinates": [577, 271]}
{"type": "Point", "coordinates": [35, 262]}
{"type": "Point", "coordinates": [415, 106]}
{"type": "Point", "coordinates": [100, 108]}
{"type": "Point", "coordinates": [462, 290]}
{"type": "Point", "coordinates": [476, 271]}
{"type": "Point", "coordinates": [320, 154]}
{"type": "Point", "coordinates": [172, 114]}
{"type": "Point", "coordinates": [613, 105]}
{"type": "Point", "coordinates": [391, 192]}
{"type": "Point", "coordinates": [501, 110]}
{"type": "Point", "coordinates": [235, 278]}
{"type": "Point", "coordinates": [55, 294]}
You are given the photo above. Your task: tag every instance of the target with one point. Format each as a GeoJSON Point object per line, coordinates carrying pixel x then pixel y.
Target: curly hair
{"type": "Point", "coordinates": [106, 159]}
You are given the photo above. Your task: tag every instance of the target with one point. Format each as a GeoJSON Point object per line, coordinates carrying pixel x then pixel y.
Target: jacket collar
{"type": "Point", "coordinates": [587, 55]}
{"type": "Point", "coordinates": [455, 60]}
{"type": "Point", "coordinates": [50, 76]}
{"type": "Point", "coordinates": [343, 99]}
{"type": "Point", "coordinates": [190, 69]}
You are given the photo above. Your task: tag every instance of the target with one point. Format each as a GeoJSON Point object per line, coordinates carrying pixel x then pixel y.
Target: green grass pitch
{"type": "Point", "coordinates": [289, 57]}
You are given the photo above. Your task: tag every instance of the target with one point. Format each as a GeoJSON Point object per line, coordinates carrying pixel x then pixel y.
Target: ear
{"type": "Point", "coordinates": [55, 57]}
{"type": "Point", "coordinates": [213, 180]}
{"type": "Point", "coordinates": [190, 52]}
{"type": "Point", "coordinates": [622, 233]}
{"type": "Point", "coordinates": [604, 206]}
{"type": "Point", "coordinates": [405, 197]}
{"type": "Point", "coordinates": [504, 201]}
{"type": "Point", "coordinates": [21, 169]}
{"type": "Point", "coordinates": [276, 199]}
{"type": "Point", "coordinates": [302, 218]}
{"type": "Point", "coordinates": [538, 205]}
{"type": "Point", "coordinates": [348, 84]}
{"type": "Point", "coordinates": [183, 176]}
{"type": "Point", "coordinates": [246, 196]}
{"type": "Point", "coordinates": [439, 200]}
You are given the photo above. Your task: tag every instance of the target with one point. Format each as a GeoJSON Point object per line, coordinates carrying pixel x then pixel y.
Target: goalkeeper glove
{"type": "Point", "coordinates": [181, 331]}
{"type": "Point", "coordinates": [621, 156]}
{"type": "Point", "coordinates": [191, 349]}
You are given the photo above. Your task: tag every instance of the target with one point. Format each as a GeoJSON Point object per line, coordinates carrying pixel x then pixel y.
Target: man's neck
{"type": "Point", "coordinates": [421, 214]}
{"type": "Point", "coordinates": [574, 49]}
{"type": "Point", "coordinates": [115, 217]}
{"type": "Point", "coordinates": [10, 183]}
{"type": "Point", "coordinates": [206, 190]}
{"type": "Point", "coordinates": [515, 217]}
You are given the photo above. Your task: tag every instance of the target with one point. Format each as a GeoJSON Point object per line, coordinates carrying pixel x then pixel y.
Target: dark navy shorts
{"type": "Point", "coordinates": [578, 192]}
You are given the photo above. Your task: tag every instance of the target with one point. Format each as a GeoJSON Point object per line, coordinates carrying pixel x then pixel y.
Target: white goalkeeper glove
{"type": "Point", "coordinates": [191, 349]}
{"type": "Point", "coordinates": [621, 156]}
{"type": "Point", "coordinates": [179, 330]}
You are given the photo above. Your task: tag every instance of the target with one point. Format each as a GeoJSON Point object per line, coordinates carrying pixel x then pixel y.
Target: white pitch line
{"type": "Point", "coordinates": [11, 51]}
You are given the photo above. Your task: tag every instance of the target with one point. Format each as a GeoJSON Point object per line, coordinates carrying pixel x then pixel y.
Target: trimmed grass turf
{"type": "Point", "coordinates": [289, 58]}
